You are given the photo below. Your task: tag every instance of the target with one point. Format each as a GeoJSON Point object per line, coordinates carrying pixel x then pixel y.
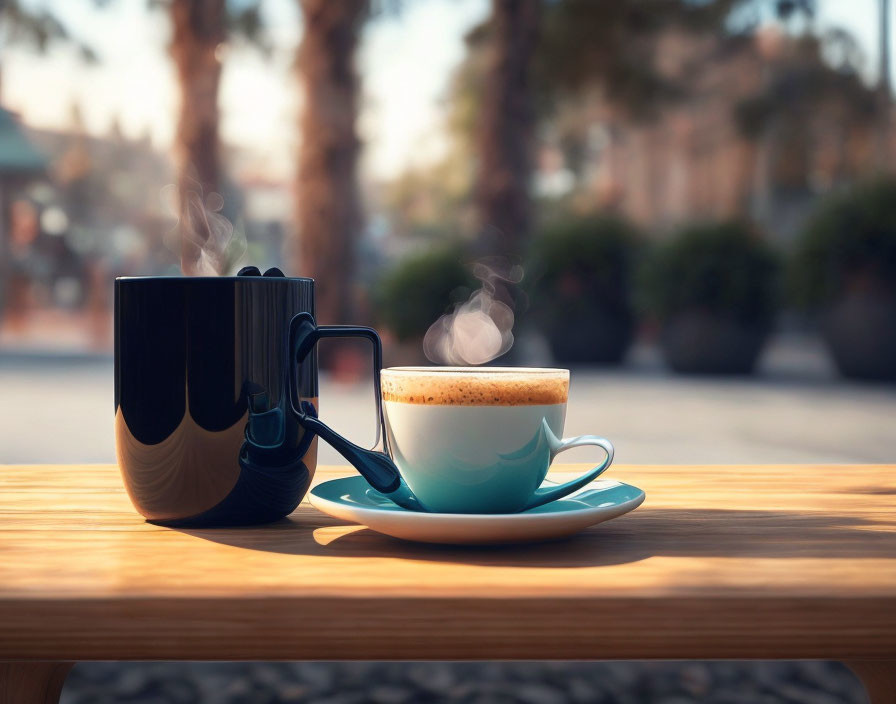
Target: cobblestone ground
{"type": "Point", "coordinates": [467, 683]}
{"type": "Point", "coordinates": [795, 410]}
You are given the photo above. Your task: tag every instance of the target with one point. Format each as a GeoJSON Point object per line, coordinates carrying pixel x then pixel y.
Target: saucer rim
{"type": "Point", "coordinates": [406, 514]}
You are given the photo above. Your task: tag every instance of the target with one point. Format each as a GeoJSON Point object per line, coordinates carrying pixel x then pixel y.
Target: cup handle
{"type": "Point", "coordinates": [545, 495]}
{"type": "Point", "coordinates": [304, 335]}
{"type": "Point", "coordinates": [376, 467]}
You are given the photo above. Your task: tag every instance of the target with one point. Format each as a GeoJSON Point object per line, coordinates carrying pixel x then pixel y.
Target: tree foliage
{"type": "Point", "coordinates": [804, 83]}
{"type": "Point", "coordinates": [422, 287]}
{"type": "Point", "coordinates": [38, 27]}
{"type": "Point", "coordinates": [613, 45]}
{"type": "Point", "coordinates": [721, 268]}
{"type": "Point", "coordinates": [582, 264]}
{"type": "Point", "coordinates": [849, 242]}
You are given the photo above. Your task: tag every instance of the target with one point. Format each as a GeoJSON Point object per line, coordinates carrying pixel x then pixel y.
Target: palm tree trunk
{"type": "Point", "coordinates": [198, 31]}
{"type": "Point", "coordinates": [328, 203]}
{"type": "Point", "coordinates": [503, 198]}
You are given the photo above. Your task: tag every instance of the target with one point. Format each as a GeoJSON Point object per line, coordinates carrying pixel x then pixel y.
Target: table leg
{"type": "Point", "coordinates": [32, 682]}
{"type": "Point", "coordinates": [879, 678]}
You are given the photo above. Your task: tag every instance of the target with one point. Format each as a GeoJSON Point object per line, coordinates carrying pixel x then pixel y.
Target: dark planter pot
{"type": "Point", "coordinates": [601, 338]}
{"type": "Point", "coordinates": [695, 342]}
{"type": "Point", "coordinates": [860, 331]}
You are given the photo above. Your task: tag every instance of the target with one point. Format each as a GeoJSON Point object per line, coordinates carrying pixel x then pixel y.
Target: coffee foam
{"type": "Point", "coordinates": [459, 386]}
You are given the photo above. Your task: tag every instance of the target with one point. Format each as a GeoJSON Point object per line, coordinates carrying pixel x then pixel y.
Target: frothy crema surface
{"type": "Point", "coordinates": [475, 386]}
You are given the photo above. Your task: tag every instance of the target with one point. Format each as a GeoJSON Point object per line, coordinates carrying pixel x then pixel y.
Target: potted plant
{"type": "Point", "coordinates": [581, 272]}
{"type": "Point", "coordinates": [415, 292]}
{"type": "Point", "coordinates": [844, 269]}
{"type": "Point", "coordinates": [712, 287]}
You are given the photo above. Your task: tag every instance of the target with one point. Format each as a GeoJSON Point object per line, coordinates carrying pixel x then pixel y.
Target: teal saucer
{"type": "Point", "coordinates": [352, 499]}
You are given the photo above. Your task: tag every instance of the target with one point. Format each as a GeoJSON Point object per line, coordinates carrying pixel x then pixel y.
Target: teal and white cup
{"type": "Point", "coordinates": [481, 439]}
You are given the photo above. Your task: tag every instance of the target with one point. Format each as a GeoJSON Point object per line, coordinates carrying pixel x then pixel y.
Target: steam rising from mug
{"type": "Point", "coordinates": [480, 329]}
{"type": "Point", "coordinates": [203, 236]}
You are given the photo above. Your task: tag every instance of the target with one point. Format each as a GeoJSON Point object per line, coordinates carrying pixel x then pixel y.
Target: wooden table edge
{"type": "Point", "coordinates": [858, 631]}
{"type": "Point", "coordinates": [445, 628]}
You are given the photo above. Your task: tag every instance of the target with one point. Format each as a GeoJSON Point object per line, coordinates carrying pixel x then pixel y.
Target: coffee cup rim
{"type": "Point", "coordinates": [478, 370]}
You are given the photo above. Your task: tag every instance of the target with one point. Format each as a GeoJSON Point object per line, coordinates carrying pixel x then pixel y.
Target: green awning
{"type": "Point", "coordinates": [18, 156]}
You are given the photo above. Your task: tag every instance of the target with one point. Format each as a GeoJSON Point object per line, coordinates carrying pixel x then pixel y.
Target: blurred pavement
{"type": "Point", "coordinates": [58, 408]}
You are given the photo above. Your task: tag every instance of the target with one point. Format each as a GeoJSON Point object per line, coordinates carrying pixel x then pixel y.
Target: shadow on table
{"type": "Point", "coordinates": [645, 533]}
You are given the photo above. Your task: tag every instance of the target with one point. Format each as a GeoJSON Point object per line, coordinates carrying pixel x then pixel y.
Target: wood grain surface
{"type": "Point", "coordinates": [719, 562]}
{"type": "Point", "coordinates": [879, 679]}
{"type": "Point", "coordinates": [32, 682]}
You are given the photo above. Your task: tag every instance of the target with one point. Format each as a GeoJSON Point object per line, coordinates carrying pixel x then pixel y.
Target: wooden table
{"type": "Point", "coordinates": [767, 562]}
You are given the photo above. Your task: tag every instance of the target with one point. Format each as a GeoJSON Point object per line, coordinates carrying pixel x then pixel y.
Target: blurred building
{"type": "Point", "coordinates": [763, 124]}
{"type": "Point", "coordinates": [80, 209]}
{"type": "Point", "coordinates": [20, 163]}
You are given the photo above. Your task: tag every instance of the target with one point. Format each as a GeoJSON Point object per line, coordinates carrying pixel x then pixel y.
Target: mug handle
{"type": "Point", "coordinates": [376, 467]}
{"type": "Point", "coordinates": [545, 495]}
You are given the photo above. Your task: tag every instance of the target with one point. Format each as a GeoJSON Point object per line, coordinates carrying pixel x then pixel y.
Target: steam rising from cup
{"type": "Point", "coordinates": [203, 236]}
{"type": "Point", "coordinates": [481, 329]}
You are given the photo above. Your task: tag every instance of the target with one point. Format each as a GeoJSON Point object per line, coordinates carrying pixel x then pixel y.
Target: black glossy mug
{"type": "Point", "coordinates": [216, 392]}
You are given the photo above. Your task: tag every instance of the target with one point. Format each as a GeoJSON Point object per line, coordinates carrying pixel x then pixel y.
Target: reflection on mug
{"type": "Point", "coordinates": [188, 472]}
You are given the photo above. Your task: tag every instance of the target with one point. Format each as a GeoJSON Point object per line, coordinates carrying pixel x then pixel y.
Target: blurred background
{"type": "Point", "coordinates": [691, 203]}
